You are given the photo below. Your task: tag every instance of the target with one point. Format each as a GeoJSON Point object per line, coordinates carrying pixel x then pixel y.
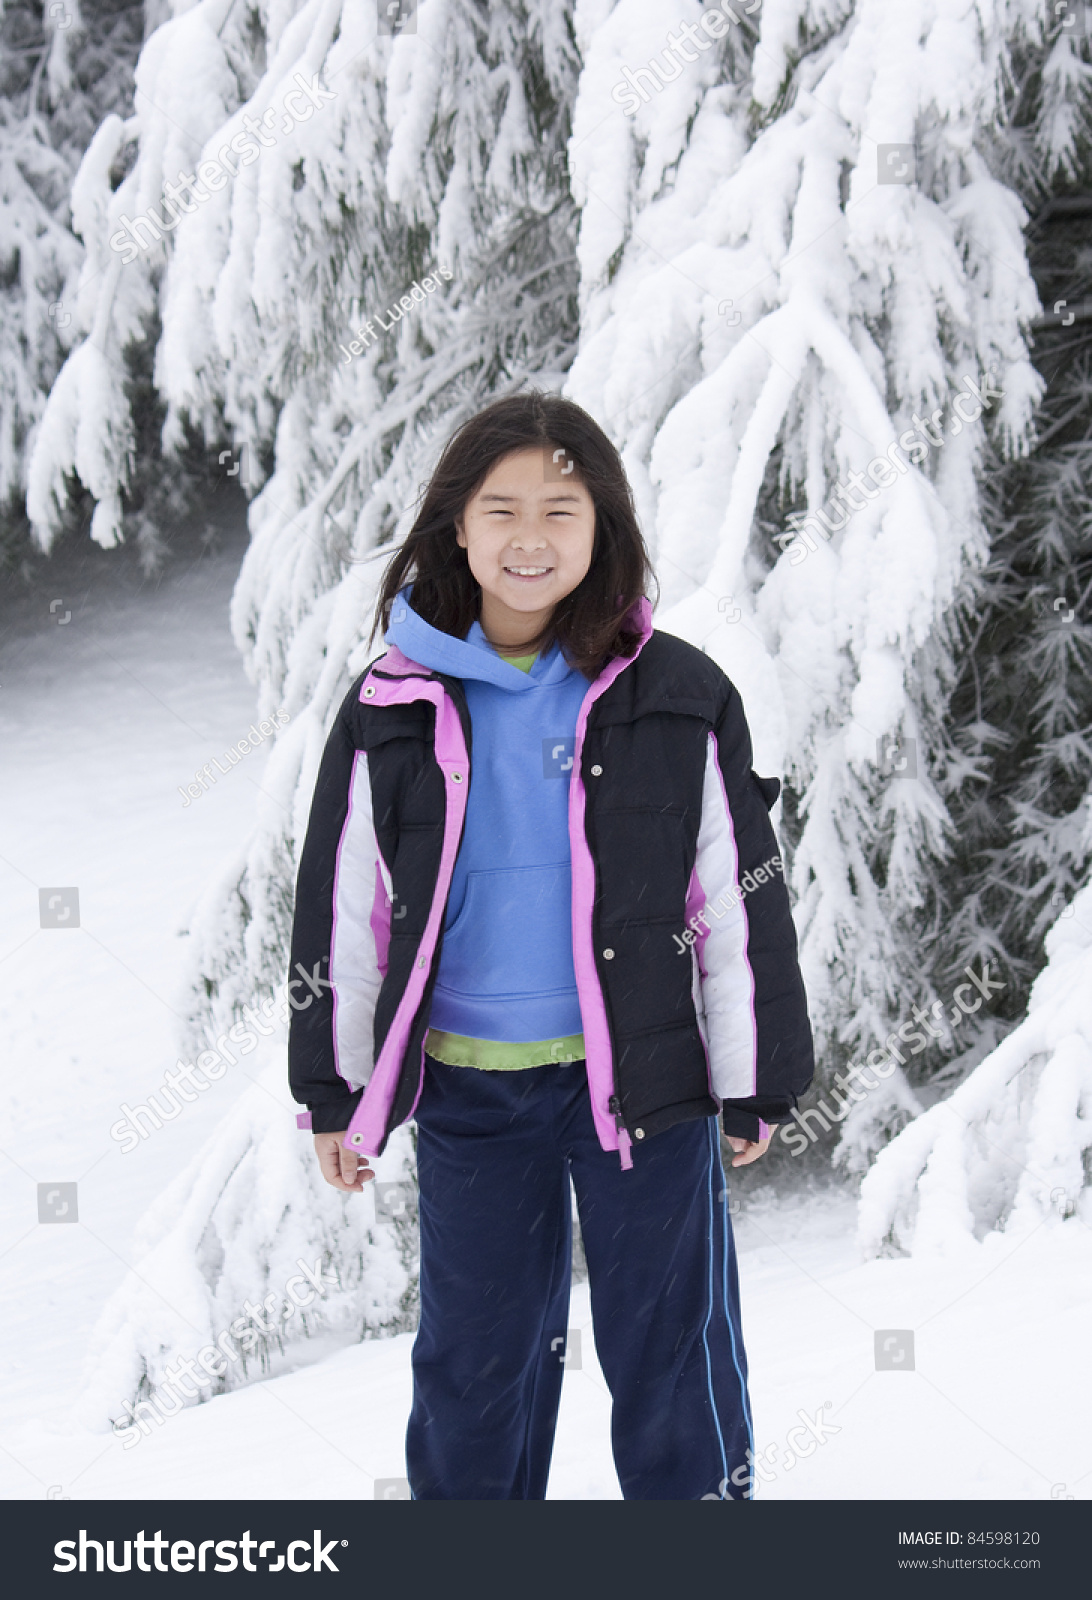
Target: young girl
{"type": "Point", "coordinates": [541, 882]}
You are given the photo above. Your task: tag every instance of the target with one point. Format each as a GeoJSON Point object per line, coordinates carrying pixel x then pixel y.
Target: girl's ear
{"type": "Point", "coordinates": [460, 533]}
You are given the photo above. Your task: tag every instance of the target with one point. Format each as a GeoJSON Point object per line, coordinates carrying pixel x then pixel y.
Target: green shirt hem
{"type": "Point", "coordinates": [496, 1055]}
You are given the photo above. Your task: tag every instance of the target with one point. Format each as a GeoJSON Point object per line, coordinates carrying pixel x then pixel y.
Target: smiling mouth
{"type": "Point", "coordinates": [528, 572]}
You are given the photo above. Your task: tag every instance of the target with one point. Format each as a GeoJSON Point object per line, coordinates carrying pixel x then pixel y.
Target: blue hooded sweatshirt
{"type": "Point", "coordinates": [506, 967]}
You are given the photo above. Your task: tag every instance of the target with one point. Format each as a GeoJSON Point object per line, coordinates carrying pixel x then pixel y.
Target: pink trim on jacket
{"type": "Point", "coordinates": [380, 921]}
{"type": "Point", "coordinates": [695, 900]}
{"type": "Point", "coordinates": [599, 1062]}
{"type": "Point", "coordinates": [420, 1083]}
{"type": "Point", "coordinates": [369, 1124]}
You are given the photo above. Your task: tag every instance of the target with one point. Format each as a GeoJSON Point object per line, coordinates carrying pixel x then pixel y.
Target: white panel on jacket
{"type": "Point", "coordinates": [354, 959]}
{"type": "Point", "coordinates": [727, 980]}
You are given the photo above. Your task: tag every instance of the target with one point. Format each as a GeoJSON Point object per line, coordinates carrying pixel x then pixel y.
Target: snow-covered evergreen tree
{"type": "Point", "coordinates": [61, 71]}
{"type": "Point", "coordinates": [430, 170]}
{"type": "Point", "coordinates": [354, 440]}
{"type": "Point", "coordinates": [438, 152]}
{"type": "Point", "coordinates": [792, 249]}
{"type": "Point", "coordinates": [1010, 1147]}
{"type": "Point", "coordinates": [1022, 709]}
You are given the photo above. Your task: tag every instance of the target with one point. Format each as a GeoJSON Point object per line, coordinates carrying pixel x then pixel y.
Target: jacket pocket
{"type": "Point", "coordinates": [512, 938]}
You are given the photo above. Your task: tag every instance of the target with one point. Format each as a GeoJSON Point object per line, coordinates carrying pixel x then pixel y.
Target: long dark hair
{"type": "Point", "coordinates": [589, 623]}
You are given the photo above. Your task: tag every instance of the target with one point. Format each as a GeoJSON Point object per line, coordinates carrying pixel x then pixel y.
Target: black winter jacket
{"type": "Point", "coordinates": [683, 943]}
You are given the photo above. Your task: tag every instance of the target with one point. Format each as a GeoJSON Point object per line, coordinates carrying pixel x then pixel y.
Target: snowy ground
{"type": "Point", "coordinates": [102, 717]}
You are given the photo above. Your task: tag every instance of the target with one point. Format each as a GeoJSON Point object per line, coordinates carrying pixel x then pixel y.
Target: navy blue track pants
{"type": "Point", "coordinates": [495, 1153]}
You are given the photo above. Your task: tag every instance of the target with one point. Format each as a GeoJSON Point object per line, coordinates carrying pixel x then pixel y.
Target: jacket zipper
{"type": "Point", "coordinates": [614, 1105]}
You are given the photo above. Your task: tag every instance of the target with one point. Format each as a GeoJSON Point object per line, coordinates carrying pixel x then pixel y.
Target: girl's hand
{"type": "Point", "coordinates": [341, 1168]}
{"type": "Point", "coordinates": [748, 1150]}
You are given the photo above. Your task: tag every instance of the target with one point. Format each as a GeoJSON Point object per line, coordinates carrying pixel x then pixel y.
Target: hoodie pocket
{"type": "Point", "coordinates": [513, 936]}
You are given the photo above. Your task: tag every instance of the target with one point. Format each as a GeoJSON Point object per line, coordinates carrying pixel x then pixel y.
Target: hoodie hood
{"type": "Point", "coordinates": [472, 657]}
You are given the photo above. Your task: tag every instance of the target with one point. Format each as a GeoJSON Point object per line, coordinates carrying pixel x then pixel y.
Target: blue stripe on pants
{"type": "Point", "coordinates": [495, 1152]}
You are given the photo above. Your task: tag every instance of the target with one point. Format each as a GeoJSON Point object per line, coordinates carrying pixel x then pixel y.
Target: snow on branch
{"type": "Point", "coordinates": [247, 1253]}
{"type": "Point", "coordinates": [1009, 1149]}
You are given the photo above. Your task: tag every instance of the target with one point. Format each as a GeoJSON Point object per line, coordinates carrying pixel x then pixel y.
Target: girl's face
{"type": "Point", "coordinates": [528, 534]}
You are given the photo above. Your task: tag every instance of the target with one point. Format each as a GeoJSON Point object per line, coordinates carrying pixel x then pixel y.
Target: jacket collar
{"type": "Point", "coordinates": [639, 616]}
